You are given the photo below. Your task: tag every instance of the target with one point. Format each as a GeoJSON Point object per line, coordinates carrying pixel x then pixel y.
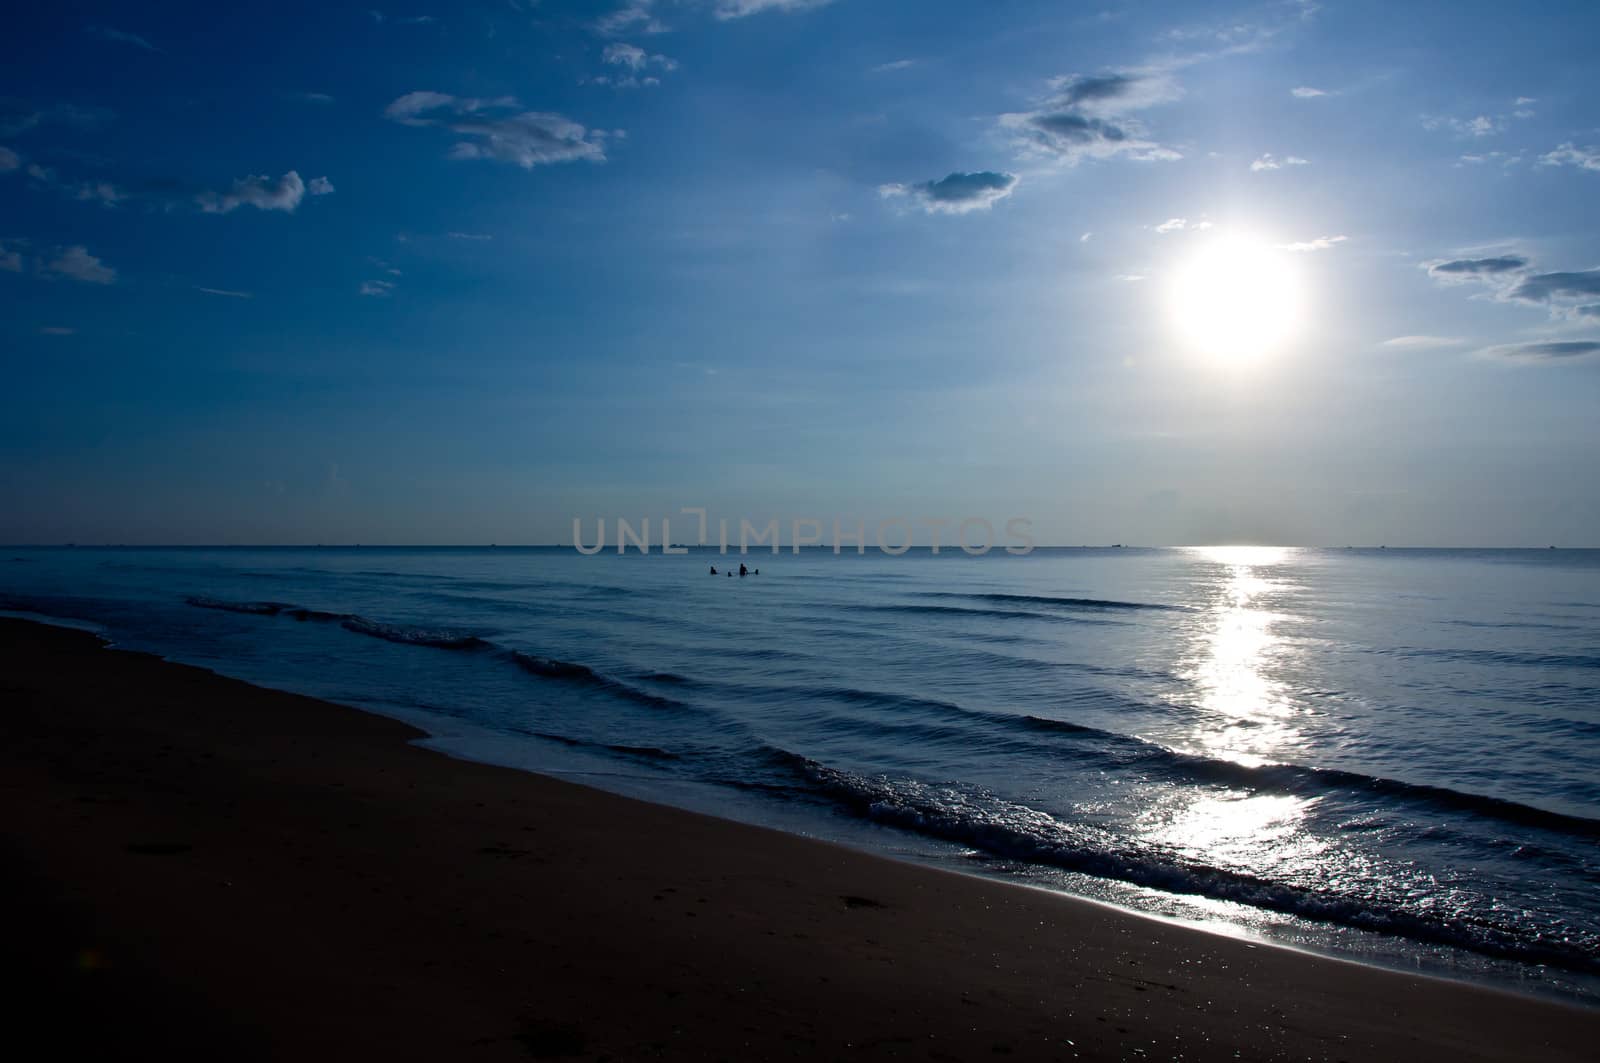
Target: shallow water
{"type": "Point", "coordinates": [1388, 754]}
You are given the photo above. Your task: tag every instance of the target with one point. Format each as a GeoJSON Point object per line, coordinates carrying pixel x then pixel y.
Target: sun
{"type": "Point", "coordinates": [1236, 300]}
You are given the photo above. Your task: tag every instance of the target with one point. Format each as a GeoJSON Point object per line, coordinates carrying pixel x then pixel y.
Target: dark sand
{"type": "Point", "coordinates": [204, 868]}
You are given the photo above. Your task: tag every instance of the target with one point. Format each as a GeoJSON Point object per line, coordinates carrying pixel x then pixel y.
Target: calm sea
{"type": "Point", "coordinates": [1392, 755]}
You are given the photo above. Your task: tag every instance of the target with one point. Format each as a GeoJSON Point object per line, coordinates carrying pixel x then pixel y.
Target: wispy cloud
{"type": "Point", "coordinates": [635, 58]}
{"type": "Point", "coordinates": [636, 16]}
{"type": "Point", "coordinates": [1551, 352]}
{"type": "Point", "coordinates": [959, 193]}
{"type": "Point", "coordinates": [470, 236]}
{"type": "Point", "coordinates": [263, 193]}
{"type": "Point", "coordinates": [1570, 154]}
{"type": "Point", "coordinates": [382, 17]}
{"type": "Point", "coordinates": [891, 67]}
{"type": "Point", "coordinates": [319, 186]}
{"type": "Point", "coordinates": [1270, 161]}
{"type": "Point", "coordinates": [9, 160]}
{"type": "Point", "coordinates": [528, 138]}
{"type": "Point", "coordinates": [10, 261]}
{"type": "Point", "coordinates": [57, 330]}
{"type": "Point", "coordinates": [1420, 343]}
{"type": "Point", "coordinates": [225, 292]}
{"type": "Point", "coordinates": [78, 264]}
{"type": "Point", "coordinates": [1178, 225]}
{"type": "Point", "coordinates": [1321, 243]}
{"type": "Point", "coordinates": [309, 97]}
{"type": "Point", "coordinates": [1479, 126]}
{"type": "Point", "coordinates": [116, 36]}
{"type": "Point", "coordinates": [378, 289]}
{"type": "Point", "coordinates": [1306, 92]}
{"type": "Point", "coordinates": [1091, 118]}
{"type": "Point", "coordinates": [726, 9]}
{"type": "Point", "coordinates": [19, 116]}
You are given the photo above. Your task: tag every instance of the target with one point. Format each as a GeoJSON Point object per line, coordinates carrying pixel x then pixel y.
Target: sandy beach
{"type": "Point", "coordinates": [209, 869]}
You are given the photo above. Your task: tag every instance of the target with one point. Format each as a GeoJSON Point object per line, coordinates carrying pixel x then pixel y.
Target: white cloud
{"type": "Point", "coordinates": [10, 261]}
{"type": "Point", "coordinates": [1321, 243]}
{"type": "Point", "coordinates": [1306, 92]}
{"type": "Point", "coordinates": [1570, 154]}
{"type": "Point", "coordinates": [1269, 161]}
{"type": "Point", "coordinates": [1178, 225]}
{"type": "Point", "coordinates": [319, 186]}
{"type": "Point", "coordinates": [1420, 343]}
{"type": "Point", "coordinates": [528, 139]}
{"type": "Point", "coordinates": [959, 193]}
{"type": "Point", "coordinates": [9, 160]}
{"type": "Point", "coordinates": [1548, 352]}
{"type": "Point", "coordinates": [381, 289]}
{"type": "Point", "coordinates": [635, 58]}
{"type": "Point", "coordinates": [470, 236]}
{"type": "Point", "coordinates": [1481, 126]}
{"type": "Point", "coordinates": [634, 16]}
{"type": "Point", "coordinates": [889, 68]}
{"type": "Point", "coordinates": [726, 9]}
{"type": "Point", "coordinates": [102, 192]}
{"type": "Point", "coordinates": [77, 263]}
{"type": "Point", "coordinates": [256, 190]}
{"type": "Point", "coordinates": [224, 291]}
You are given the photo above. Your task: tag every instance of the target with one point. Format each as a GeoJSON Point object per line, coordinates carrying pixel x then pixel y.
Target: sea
{"type": "Point", "coordinates": [1387, 755]}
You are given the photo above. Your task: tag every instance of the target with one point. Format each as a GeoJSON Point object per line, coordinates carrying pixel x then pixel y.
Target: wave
{"type": "Point", "coordinates": [1017, 832]}
{"type": "Point", "coordinates": [444, 640]}
{"type": "Point", "coordinates": [993, 614]}
{"type": "Point", "coordinates": [1528, 660]}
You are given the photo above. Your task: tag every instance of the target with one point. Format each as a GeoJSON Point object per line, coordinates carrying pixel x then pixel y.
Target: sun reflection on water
{"type": "Point", "coordinates": [1249, 716]}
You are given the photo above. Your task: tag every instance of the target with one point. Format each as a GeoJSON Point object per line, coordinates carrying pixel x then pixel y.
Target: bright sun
{"type": "Point", "coordinates": [1236, 300]}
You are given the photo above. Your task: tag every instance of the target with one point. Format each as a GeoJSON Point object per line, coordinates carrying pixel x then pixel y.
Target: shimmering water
{"type": "Point", "coordinates": [1393, 754]}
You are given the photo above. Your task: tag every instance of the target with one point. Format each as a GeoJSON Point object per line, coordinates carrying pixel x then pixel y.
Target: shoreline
{"type": "Point", "coordinates": [291, 876]}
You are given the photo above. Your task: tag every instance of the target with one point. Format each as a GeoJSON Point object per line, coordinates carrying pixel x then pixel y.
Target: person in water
{"type": "Point", "coordinates": [713, 570]}
{"type": "Point", "coordinates": [742, 570]}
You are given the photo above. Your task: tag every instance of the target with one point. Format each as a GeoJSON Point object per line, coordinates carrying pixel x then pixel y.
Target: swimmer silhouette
{"type": "Point", "coordinates": [713, 570]}
{"type": "Point", "coordinates": [742, 570]}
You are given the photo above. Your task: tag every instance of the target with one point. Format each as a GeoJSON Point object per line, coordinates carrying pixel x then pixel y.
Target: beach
{"type": "Point", "coordinates": [216, 869]}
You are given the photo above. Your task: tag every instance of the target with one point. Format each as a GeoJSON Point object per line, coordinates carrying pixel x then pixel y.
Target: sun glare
{"type": "Point", "coordinates": [1236, 300]}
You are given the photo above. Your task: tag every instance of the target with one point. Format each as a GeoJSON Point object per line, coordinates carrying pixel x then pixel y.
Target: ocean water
{"type": "Point", "coordinates": [1389, 755]}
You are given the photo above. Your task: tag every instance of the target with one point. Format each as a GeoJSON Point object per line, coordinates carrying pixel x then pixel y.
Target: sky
{"type": "Point", "coordinates": [462, 273]}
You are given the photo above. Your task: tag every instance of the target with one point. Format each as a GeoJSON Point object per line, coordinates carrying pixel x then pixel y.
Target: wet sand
{"type": "Point", "coordinates": [209, 869]}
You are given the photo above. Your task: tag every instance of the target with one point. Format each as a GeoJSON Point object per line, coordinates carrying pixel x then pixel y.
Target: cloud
{"type": "Point", "coordinates": [1570, 155]}
{"type": "Point", "coordinates": [9, 160]}
{"type": "Point", "coordinates": [1543, 287]}
{"type": "Point", "coordinates": [470, 236]}
{"type": "Point", "coordinates": [891, 67]}
{"type": "Point", "coordinates": [1477, 267]}
{"type": "Point", "coordinates": [528, 139]}
{"type": "Point", "coordinates": [77, 263]}
{"type": "Point", "coordinates": [1269, 161]}
{"type": "Point", "coordinates": [103, 192]}
{"type": "Point", "coordinates": [635, 58]}
{"type": "Point", "coordinates": [381, 17]}
{"type": "Point", "coordinates": [380, 289]}
{"type": "Point", "coordinates": [319, 186]}
{"type": "Point", "coordinates": [1592, 310]}
{"type": "Point", "coordinates": [1090, 118]}
{"type": "Point", "coordinates": [1321, 243]}
{"type": "Point", "coordinates": [10, 261]}
{"type": "Point", "coordinates": [1178, 225]}
{"type": "Point", "coordinates": [959, 193]}
{"type": "Point", "coordinates": [309, 97]}
{"type": "Point", "coordinates": [1550, 352]}
{"type": "Point", "coordinates": [226, 292]}
{"type": "Point", "coordinates": [261, 192]}
{"type": "Point", "coordinates": [635, 16]}
{"type": "Point", "coordinates": [1306, 92]}
{"type": "Point", "coordinates": [726, 9]}
{"type": "Point", "coordinates": [1420, 343]}
{"type": "Point", "coordinates": [108, 33]}
{"type": "Point", "coordinates": [1480, 126]}
{"type": "Point", "coordinates": [19, 116]}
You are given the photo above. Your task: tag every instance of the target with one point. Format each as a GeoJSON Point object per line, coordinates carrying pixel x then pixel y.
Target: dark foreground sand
{"type": "Point", "coordinates": [207, 869]}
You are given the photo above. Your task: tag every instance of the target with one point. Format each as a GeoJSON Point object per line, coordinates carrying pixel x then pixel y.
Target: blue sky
{"type": "Point", "coordinates": [461, 273]}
